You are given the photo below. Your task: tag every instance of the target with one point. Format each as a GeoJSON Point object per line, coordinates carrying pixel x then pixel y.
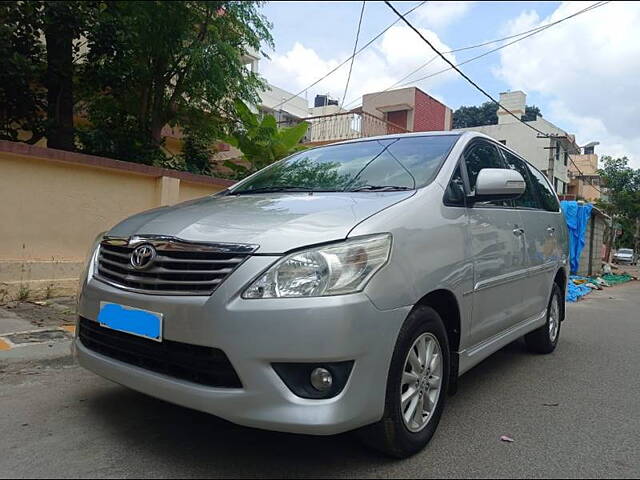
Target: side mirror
{"type": "Point", "coordinates": [499, 184]}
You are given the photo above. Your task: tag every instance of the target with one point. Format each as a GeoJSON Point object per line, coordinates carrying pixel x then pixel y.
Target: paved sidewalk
{"type": "Point", "coordinates": [36, 330]}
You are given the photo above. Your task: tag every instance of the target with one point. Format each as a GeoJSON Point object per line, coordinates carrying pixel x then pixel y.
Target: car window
{"type": "Point", "coordinates": [483, 155]}
{"type": "Point", "coordinates": [529, 199]}
{"type": "Point", "coordinates": [401, 163]}
{"type": "Point", "coordinates": [545, 192]}
{"type": "Point", "coordinates": [455, 194]}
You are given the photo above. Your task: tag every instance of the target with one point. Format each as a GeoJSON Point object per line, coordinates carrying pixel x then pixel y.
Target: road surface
{"type": "Point", "coordinates": [574, 413]}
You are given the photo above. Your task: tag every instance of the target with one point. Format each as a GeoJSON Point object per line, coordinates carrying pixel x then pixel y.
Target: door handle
{"type": "Point", "coordinates": [551, 230]}
{"type": "Point", "coordinates": [518, 232]}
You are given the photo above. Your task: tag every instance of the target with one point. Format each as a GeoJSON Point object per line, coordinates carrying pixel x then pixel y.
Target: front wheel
{"type": "Point", "coordinates": [416, 387]}
{"type": "Point", "coordinates": [545, 339]}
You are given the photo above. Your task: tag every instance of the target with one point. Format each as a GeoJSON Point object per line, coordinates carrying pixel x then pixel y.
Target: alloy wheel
{"type": "Point", "coordinates": [421, 382]}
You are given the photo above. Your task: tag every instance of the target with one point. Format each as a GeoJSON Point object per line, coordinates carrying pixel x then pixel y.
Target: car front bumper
{"type": "Point", "coordinates": [626, 260]}
{"type": "Point", "coordinates": [254, 334]}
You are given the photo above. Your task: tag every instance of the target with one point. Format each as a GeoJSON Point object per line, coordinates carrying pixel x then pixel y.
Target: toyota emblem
{"type": "Point", "coordinates": [143, 256]}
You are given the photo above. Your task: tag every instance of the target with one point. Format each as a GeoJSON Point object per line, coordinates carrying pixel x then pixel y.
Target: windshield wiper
{"type": "Point", "coordinates": [380, 188]}
{"type": "Point", "coordinates": [286, 188]}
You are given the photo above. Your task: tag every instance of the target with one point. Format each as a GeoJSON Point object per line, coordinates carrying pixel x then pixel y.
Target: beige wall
{"type": "Point", "coordinates": [404, 97]}
{"type": "Point", "coordinates": [53, 204]}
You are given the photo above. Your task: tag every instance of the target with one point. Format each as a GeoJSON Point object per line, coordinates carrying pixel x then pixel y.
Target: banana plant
{"type": "Point", "coordinates": [261, 141]}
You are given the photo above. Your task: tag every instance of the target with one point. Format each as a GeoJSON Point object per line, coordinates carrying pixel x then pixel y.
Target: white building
{"type": "Point", "coordinates": [550, 155]}
{"type": "Point", "coordinates": [286, 107]}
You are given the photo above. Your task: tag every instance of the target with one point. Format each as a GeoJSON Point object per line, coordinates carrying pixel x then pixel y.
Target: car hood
{"type": "Point", "coordinates": [276, 223]}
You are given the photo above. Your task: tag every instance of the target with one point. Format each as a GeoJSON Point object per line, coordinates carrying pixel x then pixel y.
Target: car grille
{"type": "Point", "coordinates": [179, 267]}
{"type": "Point", "coordinates": [193, 363]}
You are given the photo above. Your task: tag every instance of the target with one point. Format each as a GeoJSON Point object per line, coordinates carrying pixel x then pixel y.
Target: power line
{"type": "Point", "coordinates": [478, 87]}
{"type": "Point", "coordinates": [468, 79]}
{"type": "Point", "coordinates": [528, 34]}
{"type": "Point", "coordinates": [592, 7]}
{"type": "Point", "coordinates": [348, 59]}
{"type": "Point", "coordinates": [353, 55]}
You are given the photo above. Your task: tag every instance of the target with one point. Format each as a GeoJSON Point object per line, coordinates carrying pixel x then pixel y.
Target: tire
{"type": "Point", "coordinates": [543, 340]}
{"type": "Point", "coordinates": [394, 435]}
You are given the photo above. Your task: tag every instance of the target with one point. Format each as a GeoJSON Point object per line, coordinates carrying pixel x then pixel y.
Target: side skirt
{"type": "Point", "coordinates": [470, 357]}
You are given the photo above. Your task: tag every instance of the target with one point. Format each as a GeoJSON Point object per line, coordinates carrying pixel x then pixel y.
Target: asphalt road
{"type": "Point", "coordinates": [57, 420]}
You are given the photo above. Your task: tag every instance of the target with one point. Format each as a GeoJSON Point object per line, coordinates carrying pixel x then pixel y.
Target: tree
{"type": "Point", "coordinates": [486, 114]}
{"type": "Point", "coordinates": [150, 64]}
{"type": "Point", "coordinates": [22, 67]}
{"type": "Point", "coordinates": [261, 141]}
{"type": "Point", "coordinates": [531, 113]}
{"type": "Point", "coordinates": [623, 203]}
{"type": "Point", "coordinates": [63, 24]}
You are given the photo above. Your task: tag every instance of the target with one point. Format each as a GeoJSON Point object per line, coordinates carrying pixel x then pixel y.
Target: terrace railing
{"type": "Point", "coordinates": [347, 126]}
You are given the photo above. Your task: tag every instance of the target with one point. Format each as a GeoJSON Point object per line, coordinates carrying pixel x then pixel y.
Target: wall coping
{"type": "Point", "coordinates": [63, 156]}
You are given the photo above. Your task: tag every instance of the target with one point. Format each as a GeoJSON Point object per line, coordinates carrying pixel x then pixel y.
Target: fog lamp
{"type": "Point", "coordinates": [321, 379]}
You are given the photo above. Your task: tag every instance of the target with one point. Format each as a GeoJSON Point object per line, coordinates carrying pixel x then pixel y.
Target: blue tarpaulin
{"type": "Point", "coordinates": [576, 291]}
{"type": "Point", "coordinates": [577, 217]}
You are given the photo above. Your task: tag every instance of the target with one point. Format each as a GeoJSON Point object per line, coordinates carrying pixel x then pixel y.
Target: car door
{"type": "Point", "coordinates": [536, 237]}
{"type": "Point", "coordinates": [549, 235]}
{"type": "Point", "coordinates": [497, 249]}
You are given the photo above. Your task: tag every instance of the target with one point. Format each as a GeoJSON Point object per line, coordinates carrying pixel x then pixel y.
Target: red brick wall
{"type": "Point", "coordinates": [429, 114]}
{"type": "Point", "coordinates": [398, 118]}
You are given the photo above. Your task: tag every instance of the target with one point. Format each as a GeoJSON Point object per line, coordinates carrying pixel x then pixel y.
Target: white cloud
{"type": "Point", "coordinates": [588, 67]}
{"type": "Point", "coordinates": [398, 52]}
{"type": "Point", "coordinates": [442, 14]}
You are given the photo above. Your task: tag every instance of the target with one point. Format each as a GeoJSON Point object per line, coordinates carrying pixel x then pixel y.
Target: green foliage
{"type": "Point", "coordinates": [261, 141]}
{"type": "Point", "coordinates": [623, 204]}
{"type": "Point", "coordinates": [22, 69]}
{"type": "Point", "coordinates": [116, 134]}
{"type": "Point", "coordinates": [486, 114]}
{"type": "Point", "coordinates": [531, 113]}
{"type": "Point", "coordinates": [176, 63]}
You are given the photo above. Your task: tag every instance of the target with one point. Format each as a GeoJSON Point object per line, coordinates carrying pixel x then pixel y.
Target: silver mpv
{"type": "Point", "coordinates": [346, 287]}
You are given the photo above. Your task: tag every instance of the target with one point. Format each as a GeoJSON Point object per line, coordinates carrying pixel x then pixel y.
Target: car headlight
{"type": "Point", "coordinates": [335, 269]}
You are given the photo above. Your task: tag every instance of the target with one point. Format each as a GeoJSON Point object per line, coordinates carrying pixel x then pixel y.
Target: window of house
{"type": "Point", "coordinates": [566, 159]}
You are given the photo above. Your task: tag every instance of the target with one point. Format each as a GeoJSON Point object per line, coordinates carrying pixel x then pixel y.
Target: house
{"type": "Point", "coordinates": [410, 109]}
{"type": "Point", "coordinates": [549, 154]}
{"type": "Point", "coordinates": [584, 180]}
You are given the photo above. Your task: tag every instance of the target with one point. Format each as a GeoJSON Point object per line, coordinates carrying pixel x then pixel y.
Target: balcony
{"type": "Point", "coordinates": [337, 127]}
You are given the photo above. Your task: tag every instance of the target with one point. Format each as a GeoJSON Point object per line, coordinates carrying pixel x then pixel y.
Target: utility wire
{"type": "Point", "coordinates": [462, 74]}
{"type": "Point", "coordinates": [528, 34]}
{"type": "Point", "coordinates": [468, 79]}
{"type": "Point", "coordinates": [592, 7]}
{"type": "Point", "coordinates": [348, 59]}
{"type": "Point", "coordinates": [353, 55]}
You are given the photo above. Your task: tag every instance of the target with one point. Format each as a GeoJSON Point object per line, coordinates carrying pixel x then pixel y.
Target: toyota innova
{"type": "Point", "coordinates": [346, 287]}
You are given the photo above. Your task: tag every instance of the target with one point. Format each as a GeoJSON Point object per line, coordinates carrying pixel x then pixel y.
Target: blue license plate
{"type": "Point", "coordinates": [134, 321]}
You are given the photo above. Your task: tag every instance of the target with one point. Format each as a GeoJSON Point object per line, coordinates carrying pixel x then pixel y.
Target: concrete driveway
{"type": "Point", "coordinates": [571, 414]}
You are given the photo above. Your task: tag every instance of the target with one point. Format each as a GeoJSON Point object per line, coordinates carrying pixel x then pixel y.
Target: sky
{"type": "Point", "coordinates": [583, 73]}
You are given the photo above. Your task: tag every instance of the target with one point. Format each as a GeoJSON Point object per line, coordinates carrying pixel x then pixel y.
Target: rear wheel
{"type": "Point", "coordinates": [545, 339]}
{"type": "Point", "coordinates": [416, 387]}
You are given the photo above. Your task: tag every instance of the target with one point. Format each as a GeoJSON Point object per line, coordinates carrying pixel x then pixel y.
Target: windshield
{"type": "Point", "coordinates": [626, 251]}
{"type": "Point", "coordinates": [374, 165]}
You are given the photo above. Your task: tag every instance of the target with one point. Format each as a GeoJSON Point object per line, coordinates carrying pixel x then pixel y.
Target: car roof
{"type": "Point", "coordinates": [448, 133]}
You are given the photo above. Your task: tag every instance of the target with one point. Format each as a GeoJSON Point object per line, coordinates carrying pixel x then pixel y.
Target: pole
{"type": "Point", "coordinates": [591, 238]}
